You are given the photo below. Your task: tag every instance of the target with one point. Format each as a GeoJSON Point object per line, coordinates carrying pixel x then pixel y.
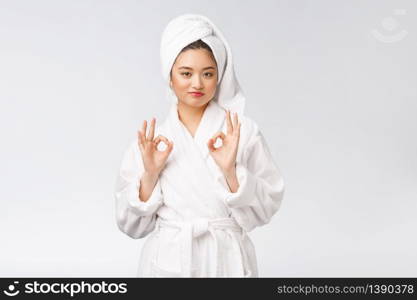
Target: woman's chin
{"type": "Point", "coordinates": [196, 103]}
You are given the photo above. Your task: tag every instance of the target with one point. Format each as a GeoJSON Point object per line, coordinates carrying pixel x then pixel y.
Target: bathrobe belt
{"type": "Point", "coordinates": [189, 230]}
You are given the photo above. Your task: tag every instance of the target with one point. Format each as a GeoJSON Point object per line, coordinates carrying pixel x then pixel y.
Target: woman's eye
{"type": "Point", "coordinates": [205, 74]}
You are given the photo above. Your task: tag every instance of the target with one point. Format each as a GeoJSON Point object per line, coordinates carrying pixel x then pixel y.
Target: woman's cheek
{"type": "Point", "coordinates": [184, 84]}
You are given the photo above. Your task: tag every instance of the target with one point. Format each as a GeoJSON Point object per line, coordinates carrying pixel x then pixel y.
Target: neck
{"type": "Point", "coordinates": [190, 116]}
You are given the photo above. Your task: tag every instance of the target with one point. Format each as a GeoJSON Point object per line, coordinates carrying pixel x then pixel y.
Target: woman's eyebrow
{"type": "Point", "coordinates": [188, 68]}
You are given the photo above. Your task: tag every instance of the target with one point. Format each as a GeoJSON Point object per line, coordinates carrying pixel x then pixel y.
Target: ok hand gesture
{"type": "Point", "coordinates": [153, 159]}
{"type": "Point", "coordinates": [225, 156]}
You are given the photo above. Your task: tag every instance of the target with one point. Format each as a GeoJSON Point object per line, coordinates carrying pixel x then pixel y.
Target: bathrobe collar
{"type": "Point", "coordinates": [211, 122]}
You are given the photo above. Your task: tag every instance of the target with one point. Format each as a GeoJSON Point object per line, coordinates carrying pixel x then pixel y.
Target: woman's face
{"type": "Point", "coordinates": [194, 70]}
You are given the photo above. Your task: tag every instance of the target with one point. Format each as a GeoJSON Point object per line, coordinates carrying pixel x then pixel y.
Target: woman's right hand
{"type": "Point", "coordinates": [153, 159]}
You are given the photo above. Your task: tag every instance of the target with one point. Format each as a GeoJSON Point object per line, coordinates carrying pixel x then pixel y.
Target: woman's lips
{"type": "Point", "coordinates": [196, 94]}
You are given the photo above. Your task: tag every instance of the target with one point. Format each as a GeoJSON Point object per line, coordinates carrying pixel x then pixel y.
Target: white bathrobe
{"type": "Point", "coordinates": [205, 229]}
{"type": "Point", "coordinates": [196, 227]}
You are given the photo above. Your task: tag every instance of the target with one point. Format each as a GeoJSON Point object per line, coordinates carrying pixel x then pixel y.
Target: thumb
{"type": "Point", "coordinates": [169, 147]}
{"type": "Point", "coordinates": [210, 145]}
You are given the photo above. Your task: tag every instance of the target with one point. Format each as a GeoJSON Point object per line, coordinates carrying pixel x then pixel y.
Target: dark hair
{"type": "Point", "coordinates": [199, 44]}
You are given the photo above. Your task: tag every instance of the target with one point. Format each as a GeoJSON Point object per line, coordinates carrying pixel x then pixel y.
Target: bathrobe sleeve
{"type": "Point", "coordinates": [261, 185]}
{"type": "Point", "coordinates": [135, 217]}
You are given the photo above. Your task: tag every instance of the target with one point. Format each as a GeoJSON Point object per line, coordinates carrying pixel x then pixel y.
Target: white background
{"type": "Point", "coordinates": [337, 104]}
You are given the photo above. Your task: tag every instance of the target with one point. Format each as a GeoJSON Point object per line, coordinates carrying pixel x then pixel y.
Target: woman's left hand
{"type": "Point", "coordinates": [225, 155]}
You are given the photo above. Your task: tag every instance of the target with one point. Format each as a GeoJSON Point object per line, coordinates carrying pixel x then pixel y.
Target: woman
{"type": "Point", "coordinates": [196, 200]}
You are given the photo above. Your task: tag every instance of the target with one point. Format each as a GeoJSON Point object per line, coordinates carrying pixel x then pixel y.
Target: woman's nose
{"type": "Point", "coordinates": [197, 82]}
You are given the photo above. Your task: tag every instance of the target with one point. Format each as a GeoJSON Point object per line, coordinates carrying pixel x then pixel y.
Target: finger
{"type": "Point", "coordinates": [152, 129]}
{"type": "Point", "coordinates": [169, 144]}
{"type": "Point", "coordinates": [229, 123]}
{"type": "Point", "coordinates": [140, 140]}
{"type": "Point", "coordinates": [219, 134]}
{"type": "Point", "coordinates": [157, 140]}
{"type": "Point", "coordinates": [213, 140]}
{"type": "Point", "coordinates": [144, 128]}
{"type": "Point", "coordinates": [170, 147]}
{"type": "Point", "coordinates": [141, 137]}
{"type": "Point", "coordinates": [238, 129]}
{"type": "Point", "coordinates": [161, 138]}
{"type": "Point", "coordinates": [210, 145]}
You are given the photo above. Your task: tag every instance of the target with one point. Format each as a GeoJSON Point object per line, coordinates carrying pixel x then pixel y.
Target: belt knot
{"type": "Point", "coordinates": [200, 226]}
